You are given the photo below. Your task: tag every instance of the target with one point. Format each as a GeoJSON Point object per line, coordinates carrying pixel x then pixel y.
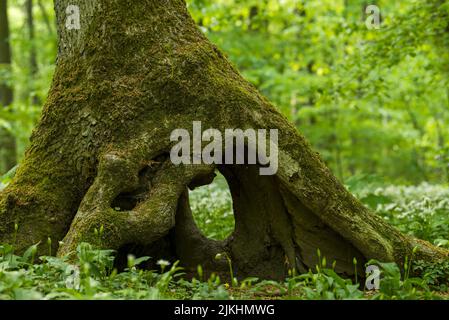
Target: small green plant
{"type": "Point", "coordinates": [210, 289]}
{"type": "Point", "coordinates": [327, 284]}
{"type": "Point", "coordinates": [6, 178]}
{"type": "Point", "coordinates": [234, 280]}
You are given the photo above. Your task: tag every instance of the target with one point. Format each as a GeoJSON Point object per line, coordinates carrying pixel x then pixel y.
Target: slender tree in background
{"type": "Point", "coordinates": [7, 140]}
{"type": "Point", "coordinates": [45, 17]}
{"type": "Point", "coordinates": [98, 159]}
{"type": "Point", "coordinates": [32, 53]}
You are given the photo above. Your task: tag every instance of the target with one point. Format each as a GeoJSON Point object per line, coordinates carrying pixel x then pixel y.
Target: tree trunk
{"type": "Point", "coordinates": [32, 54]}
{"type": "Point", "coordinates": [99, 156]}
{"type": "Point", "coordinates": [45, 17]}
{"type": "Point", "coordinates": [7, 140]}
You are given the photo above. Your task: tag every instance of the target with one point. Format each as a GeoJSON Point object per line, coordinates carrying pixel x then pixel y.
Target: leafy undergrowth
{"type": "Point", "coordinates": [421, 211]}
{"type": "Point", "coordinates": [212, 209]}
{"type": "Point", "coordinates": [93, 277]}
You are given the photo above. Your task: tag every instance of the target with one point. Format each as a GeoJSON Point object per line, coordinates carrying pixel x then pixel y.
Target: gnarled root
{"type": "Point", "coordinates": [150, 218]}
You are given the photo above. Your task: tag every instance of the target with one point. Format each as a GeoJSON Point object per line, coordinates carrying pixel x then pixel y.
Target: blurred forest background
{"type": "Point", "coordinates": [374, 103]}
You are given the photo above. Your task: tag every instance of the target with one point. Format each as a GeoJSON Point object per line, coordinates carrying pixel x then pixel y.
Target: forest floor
{"type": "Point", "coordinates": [422, 211]}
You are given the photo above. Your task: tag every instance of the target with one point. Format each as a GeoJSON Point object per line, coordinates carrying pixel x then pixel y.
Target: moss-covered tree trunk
{"type": "Point", "coordinates": [98, 159]}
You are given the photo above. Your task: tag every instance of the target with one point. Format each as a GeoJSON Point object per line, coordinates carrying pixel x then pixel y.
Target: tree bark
{"type": "Point", "coordinates": [99, 156]}
{"type": "Point", "coordinates": [7, 140]}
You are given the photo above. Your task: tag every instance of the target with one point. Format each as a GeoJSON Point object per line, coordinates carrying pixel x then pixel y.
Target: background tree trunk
{"type": "Point", "coordinates": [99, 156]}
{"type": "Point", "coordinates": [7, 140]}
{"type": "Point", "coordinates": [33, 55]}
